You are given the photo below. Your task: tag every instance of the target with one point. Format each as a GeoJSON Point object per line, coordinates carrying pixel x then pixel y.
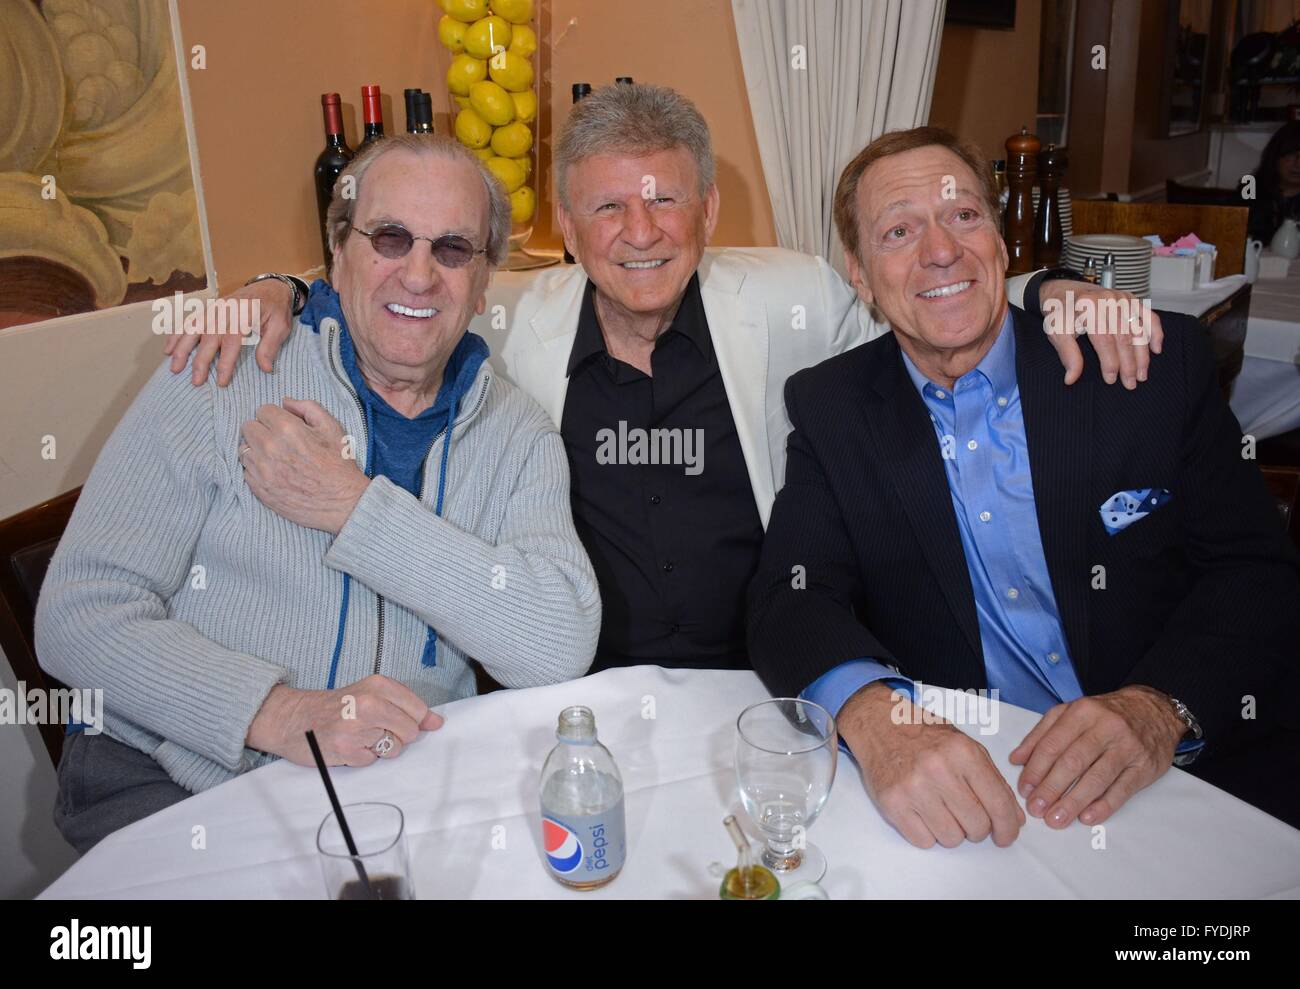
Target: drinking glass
{"type": "Point", "coordinates": [785, 764]}
{"type": "Point", "coordinates": [380, 836]}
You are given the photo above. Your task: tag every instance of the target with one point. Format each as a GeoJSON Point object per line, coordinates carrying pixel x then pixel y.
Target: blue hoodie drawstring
{"type": "Point", "coordinates": [430, 654]}
{"type": "Point", "coordinates": [347, 578]}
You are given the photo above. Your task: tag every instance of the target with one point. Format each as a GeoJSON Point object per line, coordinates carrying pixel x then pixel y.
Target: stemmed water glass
{"type": "Point", "coordinates": [785, 764]}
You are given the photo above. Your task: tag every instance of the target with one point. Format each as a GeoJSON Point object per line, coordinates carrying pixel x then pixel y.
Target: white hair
{"type": "Point", "coordinates": [635, 120]}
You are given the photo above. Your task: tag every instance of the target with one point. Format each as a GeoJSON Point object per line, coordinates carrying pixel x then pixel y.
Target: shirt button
{"type": "Point", "coordinates": [1012, 593]}
{"type": "Point", "coordinates": [655, 499]}
{"type": "Point", "coordinates": [985, 516]}
{"type": "Point", "coordinates": [668, 567]}
{"type": "Point", "coordinates": [1053, 657]}
{"type": "Point", "coordinates": [971, 445]}
{"type": "Point", "coordinates": [940, 394]}
{"type": "Point", "coordinates": [1002, 403]}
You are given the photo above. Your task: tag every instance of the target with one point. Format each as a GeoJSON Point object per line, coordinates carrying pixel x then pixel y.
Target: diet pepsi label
{"type": "Point", "coordinates": [582, 849]}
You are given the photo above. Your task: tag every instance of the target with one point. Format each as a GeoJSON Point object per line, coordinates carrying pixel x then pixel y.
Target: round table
{"type": "Point", "coordinates": [469, 793]}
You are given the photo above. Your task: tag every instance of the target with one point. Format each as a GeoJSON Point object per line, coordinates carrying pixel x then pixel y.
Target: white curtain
{"type": "Point", "coordinates": [825, 77]}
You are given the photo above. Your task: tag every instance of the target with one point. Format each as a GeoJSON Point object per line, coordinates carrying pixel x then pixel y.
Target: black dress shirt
{"type": "Point", "coordinates": [673, 544]}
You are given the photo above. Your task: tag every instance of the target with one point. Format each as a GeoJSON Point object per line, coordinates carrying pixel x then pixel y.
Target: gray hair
{"type": "Point", "coordinates": [634, 120]}
{"type": "Point", "coordinates": [339, 216]}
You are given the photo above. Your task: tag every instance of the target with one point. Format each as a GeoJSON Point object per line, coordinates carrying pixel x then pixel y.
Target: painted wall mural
{"type": "Point", "coordinates": [97, 204]}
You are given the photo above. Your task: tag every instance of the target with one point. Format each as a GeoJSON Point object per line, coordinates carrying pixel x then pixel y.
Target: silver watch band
{"type": "Point", "coordinates": [1186, 717]}
{"type": "Point", "coordinates": [1193, 729]}
{"type": "Point", "coordinates": [295, 286]}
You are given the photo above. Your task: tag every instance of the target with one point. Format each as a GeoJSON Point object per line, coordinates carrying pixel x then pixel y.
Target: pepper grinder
{"type": "Point", "coordinates": [1048, 233]}
{"type": "Point", "coordinates": [1022, 167]}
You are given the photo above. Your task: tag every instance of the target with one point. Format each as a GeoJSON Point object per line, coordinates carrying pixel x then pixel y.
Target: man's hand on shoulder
{"type": "Point", "coordinates": [1122, 331]}
{"type": "Point", "coordinates": [931, 782]}
{"type": "Point", "coordinates": [272, 303]}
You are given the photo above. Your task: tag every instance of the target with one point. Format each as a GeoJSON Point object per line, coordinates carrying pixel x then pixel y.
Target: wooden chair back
{"type": "Point", "coordinates": [1222, 226]}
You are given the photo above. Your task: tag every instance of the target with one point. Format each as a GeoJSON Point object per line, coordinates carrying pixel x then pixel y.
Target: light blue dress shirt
{"type": "Point", "coordinates": [981, 434]}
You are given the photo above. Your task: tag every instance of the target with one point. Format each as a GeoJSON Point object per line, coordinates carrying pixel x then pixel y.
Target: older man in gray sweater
{"type": "Point", "coordinates": [326, 547]}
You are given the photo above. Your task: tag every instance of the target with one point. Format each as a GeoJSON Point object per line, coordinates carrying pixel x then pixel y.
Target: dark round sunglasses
{"type": "Point", "coordinates": [394, 241]}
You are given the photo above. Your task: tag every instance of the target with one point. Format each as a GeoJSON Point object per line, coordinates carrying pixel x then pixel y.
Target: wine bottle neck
{"type": "Point", "coordinates": [333, 121]}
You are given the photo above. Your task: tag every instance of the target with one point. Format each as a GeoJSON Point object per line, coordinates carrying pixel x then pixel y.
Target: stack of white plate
{"type": "Point", "coordinates": [1132, 258]}
{"type": "Point", "coordinates": [1067, 211]}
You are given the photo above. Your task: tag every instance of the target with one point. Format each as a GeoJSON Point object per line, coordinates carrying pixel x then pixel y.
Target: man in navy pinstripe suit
{"type": "Point", "coordinates": [954, 514]}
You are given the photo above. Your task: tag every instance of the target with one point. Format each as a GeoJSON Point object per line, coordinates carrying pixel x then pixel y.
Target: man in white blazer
{"type": "Point", "coordinates": [655, 336]}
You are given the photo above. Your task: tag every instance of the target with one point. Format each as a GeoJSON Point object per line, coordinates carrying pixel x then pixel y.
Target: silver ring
{"type": "Point", "coordinates": [385, 745]}
{"type": "Point", "coordinates": [243, 450]}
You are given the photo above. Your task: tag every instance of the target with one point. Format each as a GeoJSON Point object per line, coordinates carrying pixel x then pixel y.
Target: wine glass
{"type": "Point", "coordinates": [785, 764]}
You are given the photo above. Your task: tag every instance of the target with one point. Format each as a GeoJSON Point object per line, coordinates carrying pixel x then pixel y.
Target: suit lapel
{"type": "Point", "coordinates": [538, 360]}
{"type": "Point", "coordinates": [909, 455]}
{"type": "Point", "coordinates": [1058, 431]}
{"type": "Point", "coordinates": [739, 332]}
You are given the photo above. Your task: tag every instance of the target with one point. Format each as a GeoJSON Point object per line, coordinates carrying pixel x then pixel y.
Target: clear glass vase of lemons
{"type": "Point", "coordinates": [492, 82]}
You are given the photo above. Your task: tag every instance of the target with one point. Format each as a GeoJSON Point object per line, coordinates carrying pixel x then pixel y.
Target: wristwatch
{"type": "Point", "coordinates": [1032, 303]}
{"type": "Point", "coordinates": [1055, 274]}
{"type": "Point", "coordinates": [1193, 730]}
{"type": "Point", "coordinates": [296, 285]}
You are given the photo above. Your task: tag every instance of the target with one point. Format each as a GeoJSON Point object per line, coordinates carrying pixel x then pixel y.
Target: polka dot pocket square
{"type": "Point", "coordinates": [1123, 508]}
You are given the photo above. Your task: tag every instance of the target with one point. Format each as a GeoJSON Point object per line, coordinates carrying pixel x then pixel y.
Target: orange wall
{"type": "Point", "coordinates": [257, 115]}
{"type": "Point", "coordinates": [258, 120]}
{"type": "Point", "coordinates": [691, 46]}
{"type": "Point", "coordinates": [986, 85]}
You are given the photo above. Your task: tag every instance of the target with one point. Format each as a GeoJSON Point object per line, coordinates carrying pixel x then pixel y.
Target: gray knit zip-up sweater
{"type": "Point", "coordinates": [186, 599]}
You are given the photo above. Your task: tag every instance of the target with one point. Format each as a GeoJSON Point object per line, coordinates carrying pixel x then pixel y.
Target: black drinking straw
{"type": "Point", "coordinates": [338, 814]}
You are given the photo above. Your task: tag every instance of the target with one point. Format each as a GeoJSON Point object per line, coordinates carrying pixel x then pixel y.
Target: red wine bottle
{"type": "Point", "coordinates": [374, 115]}
{"type": "Point", "coordinates": [580, 89]}
{"type": "Point", "coordinates": [412, 113]}
{"type": "Point", "coordinates": [330, 162]}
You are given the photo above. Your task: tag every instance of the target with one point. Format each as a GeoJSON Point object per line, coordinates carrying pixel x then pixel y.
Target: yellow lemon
{"type": "Point", "coordinates": [510, 175]}
{"type": "Point", "coordinates": [515, 11]}
{"type": "Point", "coordinates": [472, 130]}
{"type": "Point", "coordinates": [512, 140]}
{"type": "Point", "coordinates": [526, 163]}
{"type": "Point", "coordinates": [486, 36]}
{"type": "Point", "coordinates": [492, 103]}
{"type": "Point", "coordinates": [523, 204]}
{"type": "Point", "coordinates": [525, 105]}
{"type": "Point", "coordinates": [462, 102]}
{"type": "Point", "coordinates": [465, 70]}
{"type": "Point", "coordinates": [484, 153]}
{"type": "Point", "coordinates": [451, 33]}
{"type": "Point", "coordinates": [466, 10]}
{"type": "Point", "coordinates": [523, 40]}
{"type": "Point", "coordinates": [511, 72]}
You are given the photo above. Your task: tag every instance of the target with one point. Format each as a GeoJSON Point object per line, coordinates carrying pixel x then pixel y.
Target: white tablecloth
{"type": "Point", "coordinates": [472, 786]}
{"type": "Point", "coordinates": [1266, 395]}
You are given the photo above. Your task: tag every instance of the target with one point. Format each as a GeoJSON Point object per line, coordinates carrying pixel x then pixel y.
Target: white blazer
{"type": "Point", "coordinates": [771, 312]}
